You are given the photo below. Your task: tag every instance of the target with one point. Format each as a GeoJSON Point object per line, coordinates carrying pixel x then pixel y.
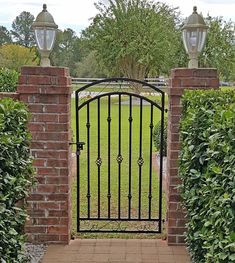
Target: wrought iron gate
{"type": "Point", "coordinates": [117, 189]}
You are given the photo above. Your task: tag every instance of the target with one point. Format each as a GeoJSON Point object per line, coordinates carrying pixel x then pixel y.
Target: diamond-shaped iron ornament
{"type": "Point", "coordinates": [119, 159]}
{"type": "Point", "coordinates": [140, 161]}
{"type": "Point", "coordinates": [98, 161]}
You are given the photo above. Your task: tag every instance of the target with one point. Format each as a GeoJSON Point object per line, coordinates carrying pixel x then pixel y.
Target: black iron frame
{"type": "Point", "coordinates": [79, 144]}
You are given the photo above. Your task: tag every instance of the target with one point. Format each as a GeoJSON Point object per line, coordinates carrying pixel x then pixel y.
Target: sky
{"type": "Point", "coordinates": [77, 14]}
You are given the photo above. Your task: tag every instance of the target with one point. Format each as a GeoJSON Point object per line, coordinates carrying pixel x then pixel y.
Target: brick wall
{"type": "Point", "coordinates": [181, 79]}
{"type": "Point", "coordinates": [47, 92]}
{"type": "Point", "coordinates": [13, 95]}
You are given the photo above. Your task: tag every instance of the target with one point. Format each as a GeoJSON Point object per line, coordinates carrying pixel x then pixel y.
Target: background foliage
{"type": "Point", "coordinates": [157, 136]}
{"type": "Point", "coordinates": [141, 37]}
{"type": "Point", "coordinates": [15, 178]}
{"type": "Point", "coordinates": [8, 80]}
{"type": "Point", "coordinates": [207, 169]}
{"type": "Point", "coordinates": [14, 56]}
{"type": "Point", "coordinates": [134, 38]}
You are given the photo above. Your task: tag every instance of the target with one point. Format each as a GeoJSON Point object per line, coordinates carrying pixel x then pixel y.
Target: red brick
{"type": "Point", "coordinates": [57, 213]}
{"type": "Point", "coordinates": [181, 222]}
{"type": "Point", "coordinates": [181, 239]}
{"type": "Point", "coordinates": [174, 197]}
{"type": "Point", "coordinates": [35, 108]}
{"type": "Point", "coordinates": [57, 197]}
{"type": "Point", "coordinates": [50, 136]}
{"type": "Point", "coordinates": [35, 197]}
{"type": "Point", "coordinates": [65, 238]}
{"type": "Point", "coordinates": [57, 230]}
{"type": "Point", "coordinates": [47, 71]}
{"type": "Point", "coordinates": [64, 118]}
{"type": "Point", "coordinates": [49, 221]}
{"type": "Point", "coordinates": [46, 188]}
{"type": "Point", "coordinates": [49, 205]}
{"type": "Point", "coordinates": [176, 230]}
{"type": "Point", "coordinates": [47, 237]}
{"type": "Point", "coordinates": [45, 118]}
{"type": "Point", "coordinates": [48, 171]}
{"type": "Point", "coordinates": [57, 127]}
{"type": "Point", "coordinates": [171, 239]}
{"type": "Point", "coordinates": [39, 162]}
{"type": "Point", "coordinates": [57, 163]}
{"type": "Point", "coordinates": [57, 145]}
{"type": "Point", "coordinates": [57, 180]}
{"type": "Point", "coordinates": [36, 126]}
{"type": "Point", "coordinates": [35, 229]}
{"type": "Point", "coordinates": [12, 95]}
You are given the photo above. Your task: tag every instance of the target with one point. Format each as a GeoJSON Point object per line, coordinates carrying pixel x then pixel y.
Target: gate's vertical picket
{"type": "Point", "coordinates": [140, 160]}
{"type": "Point", "coordinates": [130, 159]}
{"type": "Point", "coordinates": [98, 161]}
{"type": "Point", "coordinates": [109, 154]}
{"type": "Point", "coordinates": [150, 161]}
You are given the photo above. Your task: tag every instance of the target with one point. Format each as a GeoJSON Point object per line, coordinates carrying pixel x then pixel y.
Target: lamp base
{"type": "Point", "coordinates": [193, 63]}
{"type": "Point", "coordinates": [45, 62]}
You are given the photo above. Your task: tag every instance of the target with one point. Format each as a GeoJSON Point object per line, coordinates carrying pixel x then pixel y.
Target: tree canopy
{"type": "Point", "coordinates": [22, 31]}
{"type": "Point", "coordinates": [14, 56]}
{"type": "Point", "coordinates": [219, 50]}
{"type": "Point", "coordinates": [5, 36]}
{"type": "Point", "coordinates": [133, 37]}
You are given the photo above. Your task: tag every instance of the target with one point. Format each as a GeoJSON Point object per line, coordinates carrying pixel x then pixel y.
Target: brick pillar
{"type": "Point", "coordinates": [180, 79]}
{"type": "Point", "coordinates": [47, 92]}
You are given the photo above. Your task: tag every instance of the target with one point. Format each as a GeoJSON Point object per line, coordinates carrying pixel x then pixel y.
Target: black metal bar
{"type": "Point", "coordinates": [161, 161]}
{"type": "Point", "coordinates": [121, 219]}
{"type": "Point", "coordinates": [121, 231]}
{"type": "Point", "coordinates": [121, 80]}
{"type": "Point", "coordinates": [109, 153]}
{"type": "Point", "coordinates": [117, 93]}
{"type": "Point", "coordinates": [140, 161]}
{"type": "Point", "coordinates": [78, 162]}
{"type": "Point", "coordinates": [150, 161]}
{"type": "Point", "coordinates": [88, 160]}
{"type": "Point", "coordinates": [119, 154]}
{"type": "Point", "coordinates": [130, 159]}
{"type": "Point", "coordinates": [98, 158]}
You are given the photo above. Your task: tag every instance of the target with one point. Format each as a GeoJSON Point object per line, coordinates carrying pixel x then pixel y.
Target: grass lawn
{"type": "Point", "coordinates": [124, 184]}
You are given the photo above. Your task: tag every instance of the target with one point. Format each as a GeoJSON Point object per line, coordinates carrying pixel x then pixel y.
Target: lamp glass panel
{"type": "Point", "coordinates": [201, 39]}
{"type": "Point", "coordinates": [50, 39]}
{"type": "Point", "coordinates": [39, 34]}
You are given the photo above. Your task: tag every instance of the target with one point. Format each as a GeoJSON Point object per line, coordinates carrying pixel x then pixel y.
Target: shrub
{"type": "Point", "coordinates": [207, 169]}
{"type": "Point", "coordinates": [16, 175]}
{"type": "Point", "coordinates": [8, 80]}
{"type": "Point", "coordinates": [157, 136]}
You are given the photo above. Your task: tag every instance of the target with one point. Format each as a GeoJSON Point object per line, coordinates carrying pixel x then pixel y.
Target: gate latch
{"type": "Point", "coordinates": [79, 146]}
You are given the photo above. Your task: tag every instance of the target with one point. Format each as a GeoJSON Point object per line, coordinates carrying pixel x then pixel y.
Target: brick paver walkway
{"type": "Point", "coordinates": [116, 251]}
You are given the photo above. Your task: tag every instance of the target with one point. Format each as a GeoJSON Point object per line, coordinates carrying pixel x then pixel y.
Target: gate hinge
{"type": "Point", "coordinates": [79, 146]}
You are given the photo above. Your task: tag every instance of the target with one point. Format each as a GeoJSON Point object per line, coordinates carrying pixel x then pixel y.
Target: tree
{"type": "Point", "coordinates": [219, 51]}
{"type": "Point", "coordinates": [89, 68]}
{"type": "Point", "coordinates": [5, 36]}
{"type": "Point", "coordinates": [14, 56]}
{"type": "Point", "coordinates": [22, 31]}
{"type": "Point", "coordinates": [134, 37]}
{"type": "Point", "coordinates": [66, 51]}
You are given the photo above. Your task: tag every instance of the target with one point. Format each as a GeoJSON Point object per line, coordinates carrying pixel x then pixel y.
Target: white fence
{"type": "Point", "coordinates": [159, 82]}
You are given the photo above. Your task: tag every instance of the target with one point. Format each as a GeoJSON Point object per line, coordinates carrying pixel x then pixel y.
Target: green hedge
{"type": "Point", "coordinates": [207, 169]}
{"type": "Point", "coordinates": [8, 80]}
{"type": "Point", "coordinates": [16, 176]}
{"type": "Point", "coordinates": [157, 136]}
